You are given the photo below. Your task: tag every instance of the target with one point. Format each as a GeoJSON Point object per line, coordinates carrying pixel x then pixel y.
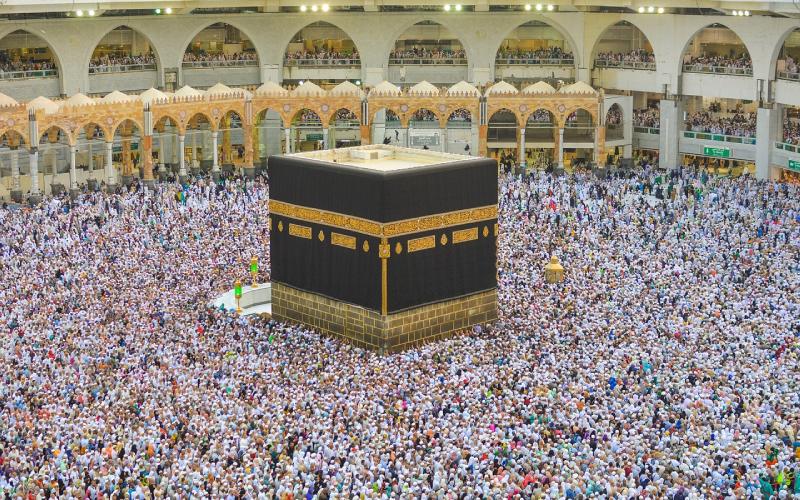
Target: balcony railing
{"type": "Point", "coordinates": [646, 130]}
{"type": "Point", "coordinates": [785, 146]}
{"type": "Point", "coordinates": [234, 63]}
{"type": "Point", "coordinates": [717, 70]}
{"type": "Point", "coordinates": [785, 75]}
{"type": "Point", "coordinates": [122, 68]}
{"type": "Point", "coordinates": [600, 63]}
{"type": "Point", "coordinates": [34, 73]}
{"type": "Point", "coordinates": [719, 137]}
{"type": "Point", "coordinates": [421, 61]}
{"type": "Point", "coordinates": [322, 63]}
{"type": "Point", "coordinates": [533, 61]}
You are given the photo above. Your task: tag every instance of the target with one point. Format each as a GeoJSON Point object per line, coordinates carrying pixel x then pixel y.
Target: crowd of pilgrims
{"type": "Point", "coordinates": [665, 366]}
{"type": "Point", "coordinates": [791, 129]}
{"type": "Point", "coordinates": [738, 124]}
{"type": "Point", "coordinates": [220, 58]}
{"type": "Point", "coordinates": [436, 53]}
{"type": "Point", "coordinates": [111, 62]}
{"type": "Point", "coordinates": [321, 57]}
{"type": "Point", "coordinates": [535, 56]}
{"type": "Point", "coordinates": [713, 62]}
{"type": "Point", "coordinates": [647, 117]}
{"type": "Point", "coordinates": [9, 64]}
{"type": "Point", "coordinates": [791, 66]}
{"type": "Point", "coordinates": [622, 58]}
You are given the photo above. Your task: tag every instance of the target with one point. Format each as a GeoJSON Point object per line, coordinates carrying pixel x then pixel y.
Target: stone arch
{"type": "Point", "coordinates": [97, 41]}
{"type": "Point", "coordinates": [494, 110]}
{"type": "Point", "coordinates": [67, 134]}
{"type": "Point", "coordinates": [460, 117]}
{"type": "Point", "coordinates": [395, 111]}
{"type": "Point", "coordinates": [159, 117]}
{"type": "Point", "coordinates": [349, 37]}
{"type": "Point", "coordinates": [139, 126]}
{"type": "Point", "coordinates": [89, 123]}
{"type": "Point", "coordinates": [576, 54]}
{"type": "Point", "coordinates": [261, 113]}
{"type": "Point", "coordinates": [689, 40]}
{"type": "Point", "coordinates": [599, 39]}
{"type": "Point", "coordinates": [353, 115]}
{"type": "Point", "coordinates": [230, 22]}
{"type": "Point", "coordinates": [19, 132]}
{"type": "Point", "coordinates": [615, 122]}
{"type": "Point", "coordinates": [776, 51]}
{"type": "Point", "coordinates": [402, 28]}
{"type": "Point", "coordinates": [51, 47]}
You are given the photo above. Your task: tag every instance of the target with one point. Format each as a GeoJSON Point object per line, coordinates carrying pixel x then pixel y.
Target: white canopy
{"type": "Point", "coordinates": [43, 103]}
{"type": "Point", "coordinates": [271, 88]}
{"type": "Point", "coordinates": [346, 88]}
{"type": "Point", "coordinates": [117, 96]}
{"type": "Point", "coordinates": [539, 87]}
{"type": "Point", "coordinates": [78, 100]}
{"type": "Point", "coordinates": [423, 88]}
{"type": "Point", "coordinates": [187, 91]}
{"type": "Point", "coordinates": [577, 88]}
{"type": "Point", "coordinates": [309, 89]}
{"type": "Point", "coordinates": [502, 87]}
{"type": "Point", "coordinates": [152, 94]}
{"type": "Point", "coordinates": [385, 88]}
{"type": "Point", "coordinates": [463, 88]}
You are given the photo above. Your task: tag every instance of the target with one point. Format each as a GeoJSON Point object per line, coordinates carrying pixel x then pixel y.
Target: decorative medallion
{"type": "Point", "coordinates": [442, 108]}
{"type": "Point", "coordinates": [10, 122]}
{"type": "Point", "coordinates": [523, 107]}
{"type": "Point", "coordinates": [321, 236]}
{"type": "Point", "coordinates": [404, 107]}
{"type": "Point", "coordinates": [286, 108]}
{"type": "Point", "coordinates": [215, 112]}
{"type": "Point", "coordinates": [109, 120]}
{"type": "Point", "coordinates": [398, 248]}
{"type": "Point", "coordinates": [561, 108]}
{"type": "Point", "coordinates": [269, 222]}
{"type": "Point", "coordinates": [485, 231]}
{"type": "Point", "coordinates": [324, 108]}
{"type": "Point", "coordinates": [280, 226]}
{"type": "Point", "coordinates": [443, 240]}
{"type": "Point", "coordinates": [365, 246]}
{"type": "Point", "coordinates": [182, 114]}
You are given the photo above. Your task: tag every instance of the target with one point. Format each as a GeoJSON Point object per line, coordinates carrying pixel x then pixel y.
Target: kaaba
{"type": "Point", "coordinates": [382, 246]}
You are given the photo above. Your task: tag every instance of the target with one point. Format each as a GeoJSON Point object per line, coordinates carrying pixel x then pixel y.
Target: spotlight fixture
{"type": "Point", "coordinates": [79, 13]}
{"type": "Point", "coordinates": [550, 8]}
{"type": "Point", "coordinates": [314, 8]}
{"type": "Point", "coordinates": [158, 11]}
{"type": "Point", "coordinates": [326, 7]}
{"type": "Point", "coordinates": [746, 13]}
{"type": "Point", "coordinates": [168, 10]}
{"type": "Point", "coordinates": [539, 7]}
{"type": "Point", "coordinates": [650, 10]}
{"type": "Point", "coordinates": [458, 7]}
{"type": "Point", "coordinates": [641, 10]}
{"type": "Point", "coordinates": [303, 8]}
{"type": "Point", "coordinates": [358, 82]}
{"type": "Point", "coordinates": [527, 6]}
{"type": "Point", "coordinates": [661, 10]}
{"type": "Point", "coordinates": [91, 12]}
{"type": "Point", "coordinates": [447, 7]}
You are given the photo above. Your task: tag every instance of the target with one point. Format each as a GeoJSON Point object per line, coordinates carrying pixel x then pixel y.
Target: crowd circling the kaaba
{"type": "Point", "coordinates": [664, 366]}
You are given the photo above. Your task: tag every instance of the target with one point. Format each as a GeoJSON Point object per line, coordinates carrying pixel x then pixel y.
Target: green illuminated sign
{"type": "Point", "coordinates": [794, 165]}
{"type": "Point", "coordinates": [716, 152]}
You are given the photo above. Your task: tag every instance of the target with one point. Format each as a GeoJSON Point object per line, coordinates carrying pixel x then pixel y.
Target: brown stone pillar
{"type": "Point", "coordinates": [483, 140]}
{"type": "Point", "coordinates": [147, 159]}
{"type": "Point", "coordinates": [365, 135]}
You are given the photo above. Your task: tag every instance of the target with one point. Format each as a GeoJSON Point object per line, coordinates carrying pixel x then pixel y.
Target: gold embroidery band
{"type": "Point", "coordinates": [389, 229]}
{"type": "Point", "coordinates": [464, 235]}
{"type": "Point", "coordinates": [342, 240]}
{"type": "Point", "coordinates": [424, 243]}
{"type": "Point", "coordinates": [300, 231]}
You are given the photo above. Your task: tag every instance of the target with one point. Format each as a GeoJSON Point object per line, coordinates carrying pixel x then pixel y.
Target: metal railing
{"type": "Point", "coordinates": [717, 70]}
{"type": "Point", "coordinates": [422, 61]}
{"type": "Point", "coordinates": [785, 146]}
{"type": "Point", "coordinates": [122, 68]}
{"type": "Point", "coordinates": [33, 73]}
{"type": "Point", "coordinates": [785, 75]}
{"type": "Point", "coordinates": [533, 61]}
{"type": "Point", "coordinates": [601, 63]}
{"type": "Point", "coordinates": [689, 134]}
{"type": "Point", "coordinates": [235, 63]}
{"type": "Point", "coordinates": [647, 130]}
{"type": "Point", "coordinates": [322, 63]}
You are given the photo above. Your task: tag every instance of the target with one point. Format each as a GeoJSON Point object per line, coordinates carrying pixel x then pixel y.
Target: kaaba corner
{"type": "Point", "coordinates": [384, 247]}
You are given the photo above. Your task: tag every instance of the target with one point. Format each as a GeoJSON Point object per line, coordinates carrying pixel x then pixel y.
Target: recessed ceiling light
{"type": "Point", "coordinates": [539, 6]}
{"type": "Point", "coordinates": [661, 10]}
{"type": "Point", "coordinates": [458, 7]}
{"type": "Point", "coordinates": [527, 6]}
{"type": "Point", "coordinates": [550, 8]}
{"type": "Point", "coordinates": [91, 12]}
{"type": "Point", "coordinates": [314, 8]}
{"type": "Point", "coordinates": [303, 8]}
{"type": "Point", "coordinates": [447, 7]}
{"type": "Point", "coordinates": [79, 13]}
{"type": "Point", "coordinates": [158, 11]}
{"type": "Point", "coordinates": [326, 7]}
{"type": "Point", "coordinates": [651, 10]}
{"type": "Point", "coordinates": [747, 13]}
{"type": "Point", "coordinates": [641, 10]}
{"type": "Point", "coordinates": [169, 10]}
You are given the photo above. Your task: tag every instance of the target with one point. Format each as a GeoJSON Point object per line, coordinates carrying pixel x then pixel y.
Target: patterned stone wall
{"type": "Point", "coordinates": [392, 333]}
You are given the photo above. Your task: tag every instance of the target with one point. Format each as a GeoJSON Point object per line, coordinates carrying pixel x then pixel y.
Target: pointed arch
{"type": "Point", "coordinates": [227, 22]}
{"type": "Point", "coordinates": [696, 34]}
{"type": "Point", "coordinates": [50, 47]}
{"type": "Point", "coordinates": [422, 21]}
{"type": "Point", "coordinates": [642, 45]}
{"type": "Point", "coordinates": [98, 40]}
{"type": "Point", "coordinates": [565, 35]}
{"type": "Point", "coordinates": [327, 24]}
{"type": "Point", "coordinates": [780, 51]}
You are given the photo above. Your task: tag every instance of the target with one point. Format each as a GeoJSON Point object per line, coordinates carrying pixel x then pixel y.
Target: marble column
{"type": "Point", "coordinates": [110, 177]}
{"type": "Point", "coordinates": [561, 147]}
{"type": "Point", "coordinates": [521, 152]}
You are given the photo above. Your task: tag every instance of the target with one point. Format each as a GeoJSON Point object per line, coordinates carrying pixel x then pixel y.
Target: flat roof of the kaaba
{"type": "Point", "coordinates": [381, 157]}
